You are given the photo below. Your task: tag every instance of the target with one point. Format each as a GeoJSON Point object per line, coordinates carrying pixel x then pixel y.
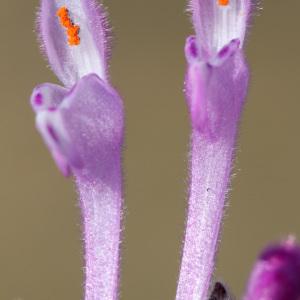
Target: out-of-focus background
{"type": "Point", "coordinates": [40, 242]}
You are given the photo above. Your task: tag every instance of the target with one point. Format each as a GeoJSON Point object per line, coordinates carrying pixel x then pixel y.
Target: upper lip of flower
{"type": "Point", "coordinates": [82, 49]}
{"type": "Point", "coordinates": [216, 24]}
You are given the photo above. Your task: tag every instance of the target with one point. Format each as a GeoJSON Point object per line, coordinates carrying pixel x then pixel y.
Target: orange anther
{"type": "Point", "coordinates": [72, 29]}
{"type": "Point", "coordinates": [66, 22]}
{"type": "Point", "coordinates": [223, 2]}
{"type": "Point", "coordinates": [74, 41]}
{"type": "Point", "coordinates": [63, 14]}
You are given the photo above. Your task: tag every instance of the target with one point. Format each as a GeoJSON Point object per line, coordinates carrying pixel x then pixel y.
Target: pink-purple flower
{"type": "Point", "coordinates": [276, 274]}
{"type": "Point", "coordinates": [216, 86]}
{"type": "Point", "coordinates": [81, 123]}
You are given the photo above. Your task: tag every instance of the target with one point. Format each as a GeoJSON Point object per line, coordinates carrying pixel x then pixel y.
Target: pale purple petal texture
{"type": "Point", "coordinates": [276, 275]}
{"type": "Point", "coordinates": [83, 129]}
{"type": "Point", "coordinates": [208, 87]}
{"type": "Point", "coordinates": [70, 63]}
{"type": "Point", "coordinates": [216, 86]}
{"type": "Point", "coordinates": [85, 125]}
{"type": "Point", "coordinates": [217, 25]}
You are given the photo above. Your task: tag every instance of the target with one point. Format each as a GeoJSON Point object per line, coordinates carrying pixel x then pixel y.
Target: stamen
{"type": "Point", "coordinates": [72, 29]}
{"type": "Point", "coordinates": [223, 2]}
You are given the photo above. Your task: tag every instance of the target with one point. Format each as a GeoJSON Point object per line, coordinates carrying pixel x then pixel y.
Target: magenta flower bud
{"type": "Point", "coordinates": [276, 275]}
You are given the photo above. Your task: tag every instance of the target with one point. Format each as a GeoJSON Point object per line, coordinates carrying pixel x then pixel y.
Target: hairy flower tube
{"type": "Point", "coordinates": [216, 86]}
{"type": "Point", "coordinates": [276, 275]}
{"type": "Point", "coordinates": [82, 125]}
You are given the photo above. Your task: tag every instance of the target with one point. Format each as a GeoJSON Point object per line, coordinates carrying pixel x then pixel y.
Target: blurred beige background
{"type": "Point", "coordinates": [40, 250]}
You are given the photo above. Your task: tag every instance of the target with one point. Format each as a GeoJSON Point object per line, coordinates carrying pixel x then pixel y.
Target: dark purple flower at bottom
{"type": "Point", "coordinates": [276, 275]}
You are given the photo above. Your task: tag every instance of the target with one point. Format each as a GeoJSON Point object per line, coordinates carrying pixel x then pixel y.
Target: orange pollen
{"type": "Point", "coordinates": [223, 2]}
{"type": "Point", "coordinates": [72, 29]}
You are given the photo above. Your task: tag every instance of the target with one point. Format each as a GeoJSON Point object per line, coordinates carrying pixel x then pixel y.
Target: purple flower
{"type": "Point", "coordinates": [216, 86]}
{"type": "Point", "coordinates": [276, 275]}
{"type": "Point", "coordinates": [82, 125]}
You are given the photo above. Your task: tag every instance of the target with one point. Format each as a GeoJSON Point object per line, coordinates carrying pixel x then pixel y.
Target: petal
{"type": "Point", "coordinates": [216, 90]}
{"type": "Point", "coordinates": [276, 275]}
{"type": "Point", "coordinates": [87, 126]}
{"type": "Point", "coordinates": [51, 126]}
{"type": "Point", "coordinates": [218, 22]}
{"type": "Point", "coordinates": [47, 96]}
{"type": "Point", "coordinates": [225, 53]}
{"type": "Point", "coordinates": [73, 61]}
